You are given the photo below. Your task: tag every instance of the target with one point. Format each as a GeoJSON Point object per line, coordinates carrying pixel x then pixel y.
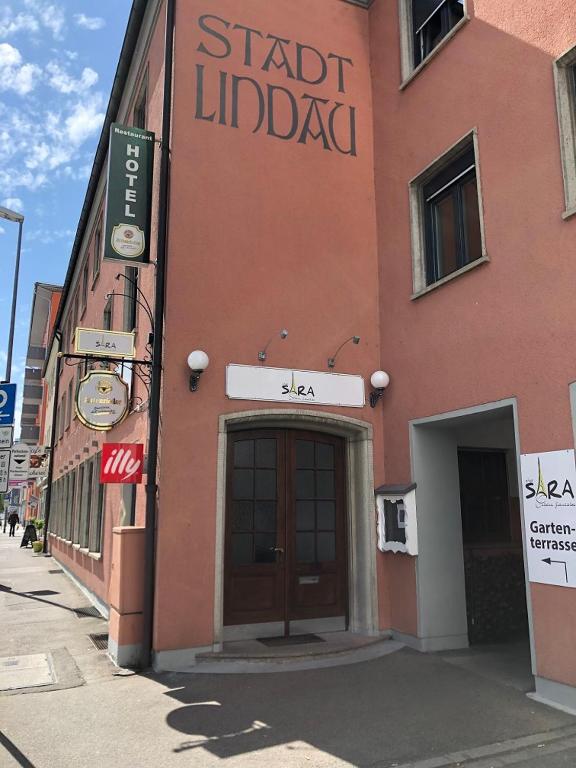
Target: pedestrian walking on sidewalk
{"type": "Point", "coordinates": [13, 520]}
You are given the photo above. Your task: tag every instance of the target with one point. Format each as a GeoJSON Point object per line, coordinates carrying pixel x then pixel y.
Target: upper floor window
{"type": "Point", "coordinates": [140, 115]}
{"type": "Point", "coordinates": [565, 79]}
{"type": "Point", "coordinates": [130, 318]}
{"type": "Point", "coordinates": [107, 317]}
{"type": "Point", "coordinates": [431, 22]}
{"type": "Point", "coordinates": [97, 248]}
{"type": "Point", "coordinates": [446, 215]}
{"type": "Point", "coordinates": [84, 287]}
{"type": "Point", "coordinates": [425, 25]}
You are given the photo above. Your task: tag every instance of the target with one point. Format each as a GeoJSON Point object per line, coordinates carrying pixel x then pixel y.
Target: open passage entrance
{"type": "Point", "coordinates": [471, 581]}
{"type": "Point", "coordinates": [285, 547]}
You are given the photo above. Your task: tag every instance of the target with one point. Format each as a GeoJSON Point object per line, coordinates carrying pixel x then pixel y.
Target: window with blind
{"type": "Point", "coordinates": [446, 211]}
{"type": "Point", "coordinates": [431, 22]}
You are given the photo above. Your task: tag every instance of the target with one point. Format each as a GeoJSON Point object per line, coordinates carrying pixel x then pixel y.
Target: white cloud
{"type": "Point", "coordinates": [11, 24]}
{"type": "Point", "coordinates": [50, 15]}
{"type": "Point", "coordinates": [46, 236]}
{"type": "Point", "coordinates": [2, 231]}
{"type": "Point", "coordinates": [14, 203]}
{"type": "Point", "coordinates": [89, 22]}
{"type": "Point", "coordinates": [14, 75]}
{"type": "Point", "coordinates": [61, 81]}
{"type": "Point", "coordinates": [86, 119]}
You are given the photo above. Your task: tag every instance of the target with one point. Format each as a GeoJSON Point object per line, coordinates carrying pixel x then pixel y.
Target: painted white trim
{"type": "Point", "coordinates": [566, 110]}
{"type": "Point", "coordinates": [126, 656]}
{"type": "Point", "coordinates": [96, 601]}
{"type": "Point", "coordinates": [181, 660]}
{"type": "Point", "coordinates": [475, 410]}
{"type": "Point", "coordinates": [556, 695]}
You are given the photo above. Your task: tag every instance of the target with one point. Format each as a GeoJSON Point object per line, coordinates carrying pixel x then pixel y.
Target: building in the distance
{"type": "Point", "coordinates": [45, 301]}
{"type": "Point", "coordinates": [396, 174]}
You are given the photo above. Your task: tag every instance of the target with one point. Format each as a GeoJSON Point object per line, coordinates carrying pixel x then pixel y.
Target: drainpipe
{"type": "Point", "coordinates": [155, 388]}
{"type": "Point", "coordinates": [53, 436]}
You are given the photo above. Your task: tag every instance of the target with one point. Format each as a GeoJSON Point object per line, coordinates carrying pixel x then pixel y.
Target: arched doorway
{"type": "Point", "coordinates": [358, 563]}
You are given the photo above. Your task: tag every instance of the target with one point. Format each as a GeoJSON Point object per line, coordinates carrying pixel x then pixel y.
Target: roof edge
{"type": "Point", "coordinates": [128, 47]}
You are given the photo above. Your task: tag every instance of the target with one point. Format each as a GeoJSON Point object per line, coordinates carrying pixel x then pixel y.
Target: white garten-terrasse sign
{"type": "Point", "coordinates": [284, 385]}
{"type": "Point", "coordinates": [549, 491]}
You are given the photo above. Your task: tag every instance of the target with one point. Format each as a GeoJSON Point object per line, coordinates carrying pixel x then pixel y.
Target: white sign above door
{"type": "Point", "coordinates": [549, 490]}
{"type": "Point", "coordinates": [285, 385]}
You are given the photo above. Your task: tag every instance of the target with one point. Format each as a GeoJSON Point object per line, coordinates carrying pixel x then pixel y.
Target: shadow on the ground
{"type": "Point", "coordinates": [29, 596]}
{"type": "Point", "coordinates": [13, 750]}
{"type": "Point", "coordinates": [397, 708]}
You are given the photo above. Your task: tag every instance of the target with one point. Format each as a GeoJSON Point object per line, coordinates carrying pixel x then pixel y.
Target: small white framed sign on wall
{"type": "Point", "coordinates": [396, 521]}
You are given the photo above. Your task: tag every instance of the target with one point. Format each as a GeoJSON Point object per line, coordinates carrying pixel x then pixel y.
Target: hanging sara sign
{"type": "Point", "coordinates": [122, 463]}
{"type": "Point", "coordinates": [102, 400]}
{"type": "Point", "coordinates": [129, 195]}
{"type": "Point", "coordinates": [92, 341]}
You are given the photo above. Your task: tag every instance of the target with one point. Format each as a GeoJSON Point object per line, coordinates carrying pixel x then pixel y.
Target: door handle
{"type": "Point", "coordinates": [276, 549]}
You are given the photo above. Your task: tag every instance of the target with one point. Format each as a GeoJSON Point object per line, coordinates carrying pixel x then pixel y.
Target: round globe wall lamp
{"type": "Point", "coordinates": [379, 381]}
{"type": "Point", "coordinates": [197, 362]}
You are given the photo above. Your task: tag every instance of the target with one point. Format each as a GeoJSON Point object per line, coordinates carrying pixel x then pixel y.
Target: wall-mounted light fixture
{"type": "Point", "coordinates": [197, 362]}
{"type": "Point", "coordinates": [332, 360]}
{"type": "Point", "coordinates": [262, 355]}
{"type": "Point", "coordinates": [379, 381]}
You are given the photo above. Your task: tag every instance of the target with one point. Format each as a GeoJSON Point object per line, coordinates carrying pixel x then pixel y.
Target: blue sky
{"type": "Point", "coordinates": [57, 64]}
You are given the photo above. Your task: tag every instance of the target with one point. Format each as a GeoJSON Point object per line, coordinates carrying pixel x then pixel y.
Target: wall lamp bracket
{"type": "Point", "coordinates": [379, 381]}
{"type": "Point", "coordinates": [263, 354]}
{"type": "Point", "coordinates": [332, 360]}
{"type": "Point", "coordinates": [197, 362]}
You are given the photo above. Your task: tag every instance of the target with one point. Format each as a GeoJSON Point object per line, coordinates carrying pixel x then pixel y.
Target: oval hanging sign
{"type": "Point", "coordinates": [102, 400]}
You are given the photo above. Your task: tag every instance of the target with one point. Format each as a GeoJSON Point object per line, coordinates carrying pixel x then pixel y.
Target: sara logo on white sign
{"type": "Point", "coordinates": [555, 492]}
{"type": "Point", "coordinates": [298, 391]}
{"type": "Point", "coordinates": [122, 464]}
{"type": "Point", "coordinates": [128, 240]}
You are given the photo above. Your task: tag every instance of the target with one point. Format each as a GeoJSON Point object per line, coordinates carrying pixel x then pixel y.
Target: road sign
{"type": "Point", "coordinates": [4, 470]}
{"type": "Point", "coordinates": [7, 404]}
{"type": "Point", "coordinates": [19, 461]}
{"type": "Point", "coordinates": [549, 489]}
{"type": "Point", "coordinates": [6, 435]}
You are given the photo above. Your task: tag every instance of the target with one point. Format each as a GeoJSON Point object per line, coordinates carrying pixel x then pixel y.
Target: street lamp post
{"type": "Point", "coordinates": [6, 213]}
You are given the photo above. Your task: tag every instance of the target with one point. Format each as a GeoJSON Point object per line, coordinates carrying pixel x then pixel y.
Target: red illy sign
{"type": "Point", "coordinates": [122, 463]}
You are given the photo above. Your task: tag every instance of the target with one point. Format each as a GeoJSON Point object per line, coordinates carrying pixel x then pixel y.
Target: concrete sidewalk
{"type": "Point", "coordinates": [404, 709]}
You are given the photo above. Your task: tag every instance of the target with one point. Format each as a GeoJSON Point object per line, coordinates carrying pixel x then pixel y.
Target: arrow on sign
{"type": "Point", "coordinates": [560, 562]}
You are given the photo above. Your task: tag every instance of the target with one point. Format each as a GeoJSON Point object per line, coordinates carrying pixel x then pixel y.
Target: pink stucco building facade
{"type": "Point", "coordinates": [398, 171]}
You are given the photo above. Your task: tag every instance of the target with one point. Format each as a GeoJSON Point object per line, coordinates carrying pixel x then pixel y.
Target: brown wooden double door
{"type": "Point", "coordinates": [285, 555]}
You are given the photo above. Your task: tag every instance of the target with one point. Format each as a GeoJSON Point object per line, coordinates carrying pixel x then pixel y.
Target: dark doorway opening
{"type": "Point", "coordinates": [493, 556]}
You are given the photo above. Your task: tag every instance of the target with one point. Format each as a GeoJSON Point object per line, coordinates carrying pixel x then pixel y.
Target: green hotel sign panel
{"type": "Point", "coordinates": [129, 195]}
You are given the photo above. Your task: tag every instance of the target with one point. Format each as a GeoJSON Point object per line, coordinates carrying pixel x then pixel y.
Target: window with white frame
{"type": "Point", "coordinates": [424, 24]}
{"type": "Point", "coordinates": [565, 79]}
{"type": "Point", "coordinates": [447, 231]}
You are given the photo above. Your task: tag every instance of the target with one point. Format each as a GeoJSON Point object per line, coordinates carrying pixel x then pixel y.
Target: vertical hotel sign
{"type": "Point", "coordinates": [129, 195]}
